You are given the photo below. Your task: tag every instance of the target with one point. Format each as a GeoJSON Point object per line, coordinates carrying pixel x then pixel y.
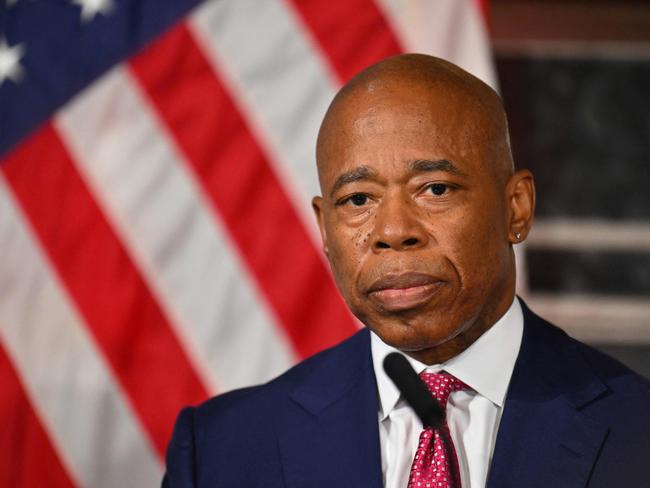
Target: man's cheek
{"type": "Point", "coordinates": [339, 266]}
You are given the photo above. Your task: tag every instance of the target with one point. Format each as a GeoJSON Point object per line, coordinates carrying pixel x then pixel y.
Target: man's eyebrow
{"type": "Point", "coordinates": [425, 165]}
{"type": "Point", "coordinates": [356, 174]}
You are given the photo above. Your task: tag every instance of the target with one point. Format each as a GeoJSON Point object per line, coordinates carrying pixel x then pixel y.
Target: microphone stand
{"type": "Point", "coordinates": [424, 405]}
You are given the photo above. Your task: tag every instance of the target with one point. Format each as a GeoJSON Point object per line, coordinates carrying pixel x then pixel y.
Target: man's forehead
{"type": "Point", "coordinates": [403, 88]}
{"type": "Point", "coordinates": [376, 118]}
{"type": "Point", "coordinates": [412, 96]}
{"type": "Point", "coordinates": [410, 124]}
{"type": "Point", "coordinates": [395, 105]}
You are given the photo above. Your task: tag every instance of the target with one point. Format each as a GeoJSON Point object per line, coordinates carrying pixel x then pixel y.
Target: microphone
{"type": "Point", "coordinates": [418, 396]}
{"type": "Point", "coordinates": [413, 390]}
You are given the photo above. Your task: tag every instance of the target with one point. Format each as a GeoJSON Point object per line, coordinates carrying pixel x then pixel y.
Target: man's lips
{"type": "Point", "coordinates": [397, 292]}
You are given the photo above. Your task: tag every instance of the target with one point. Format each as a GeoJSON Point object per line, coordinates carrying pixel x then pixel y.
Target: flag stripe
{"type": "Point", "coordinates": [449, 29]}
{"type": "Point", "coordinates": [244, 190]}
{"type": "Point", "coordinates": [349, 46]}
{"type": "Point", "coordinates": [283, 108]}
{"type": "Point", "coordinates": [122, 315]}
{"type": "Point", "coordinates": [84, 411]}
{"type": "Point", "coordinates": [202, 285]}
{"type": "Point", "coordinates": [484, 8]}
{"type": "Point", "coordinates": [23, 439]}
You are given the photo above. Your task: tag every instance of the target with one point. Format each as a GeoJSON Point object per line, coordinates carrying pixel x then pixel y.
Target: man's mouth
{"type": "Point", "coordinates": [398, 292]}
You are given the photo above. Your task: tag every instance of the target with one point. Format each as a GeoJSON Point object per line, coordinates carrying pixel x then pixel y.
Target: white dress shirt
{"type": "Point", "coordinates": [473, 415]}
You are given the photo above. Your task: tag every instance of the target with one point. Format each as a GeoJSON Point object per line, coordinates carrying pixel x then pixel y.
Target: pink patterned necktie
{"type": "Point", "coordinates": [435, 464]}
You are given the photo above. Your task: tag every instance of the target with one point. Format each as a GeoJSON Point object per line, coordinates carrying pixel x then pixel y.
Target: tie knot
{"type": "Point", "coordinates": [441, 385]}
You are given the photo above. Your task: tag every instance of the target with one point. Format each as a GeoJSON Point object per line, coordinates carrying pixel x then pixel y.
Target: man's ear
{"type": "Point", "coordinates": [520, 191]}
{"type": "Point", "coordinates": [317, 205]}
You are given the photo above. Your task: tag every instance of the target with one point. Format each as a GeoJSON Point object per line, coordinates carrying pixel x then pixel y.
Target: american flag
{"type": "Point", "coordinates": [156, 240]}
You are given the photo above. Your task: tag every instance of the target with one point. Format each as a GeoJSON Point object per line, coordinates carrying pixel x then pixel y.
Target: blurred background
{"type": "Point", "coordinates": [156, 168]}
{"type": "Point", "coordinates": [575, 77]}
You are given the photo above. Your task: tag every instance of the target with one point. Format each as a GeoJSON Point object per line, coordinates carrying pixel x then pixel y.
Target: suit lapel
{"type": "Point", "coordinates": [544, 439]}
{"type": "Point", "coordinates": [333, 439]}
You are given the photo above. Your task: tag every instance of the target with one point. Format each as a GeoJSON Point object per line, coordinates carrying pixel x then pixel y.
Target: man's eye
{"type": "Point", "coordinates": [438, 188]}
{"type": "Point", "coordinates": [358, 199]}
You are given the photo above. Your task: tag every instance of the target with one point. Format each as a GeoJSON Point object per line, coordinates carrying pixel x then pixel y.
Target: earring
{"type": "Point", "coordinates": [518, 236]}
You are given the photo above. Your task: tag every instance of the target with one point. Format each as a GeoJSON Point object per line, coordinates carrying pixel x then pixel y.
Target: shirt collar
{"type": "Point", "coordinates": [486, 366]}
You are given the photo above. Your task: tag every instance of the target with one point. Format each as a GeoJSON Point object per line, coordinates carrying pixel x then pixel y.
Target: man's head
{"type": "Point", "coordinates": [420, 204]}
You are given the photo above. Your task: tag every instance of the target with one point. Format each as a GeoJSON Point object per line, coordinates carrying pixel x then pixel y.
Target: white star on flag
{"type": "Point", "coordinates": [90, 8]}
{"type": "Point", "coordinates": [10, 67]}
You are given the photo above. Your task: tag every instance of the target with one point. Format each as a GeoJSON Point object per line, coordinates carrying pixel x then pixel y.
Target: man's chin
{"type": "Point", "coordinates": [410, 338]}
{"type": "Point", "coordinates": [428, 349]}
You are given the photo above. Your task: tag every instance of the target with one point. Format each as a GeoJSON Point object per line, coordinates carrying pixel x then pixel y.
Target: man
{"type": "Point", "coordinates": [419, 210]}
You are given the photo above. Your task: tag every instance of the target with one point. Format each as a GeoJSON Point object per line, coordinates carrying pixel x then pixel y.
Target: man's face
{"type": "Point", "coordinates": [414, 218]}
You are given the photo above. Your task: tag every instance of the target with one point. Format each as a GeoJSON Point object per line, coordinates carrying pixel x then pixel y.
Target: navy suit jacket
{"type": "Point", "coordinates": [572, 418]}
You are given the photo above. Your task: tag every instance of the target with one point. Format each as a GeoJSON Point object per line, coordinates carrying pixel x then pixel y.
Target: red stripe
{"type": "Point", "coordinates": [353, 33]}
{"type": "Point", "coordinates": [484, 9]}
{"type": "Point", "coordinates": [126, 321]}
{"type": "Point", "coordinates": [241, 185]}
{"type": "Point", "coordinates": [28, 458]}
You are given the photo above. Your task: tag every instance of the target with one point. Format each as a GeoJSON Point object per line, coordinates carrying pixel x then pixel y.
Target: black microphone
{"type": "Point", "coordinates": [418, 396]}
{"type": "Point", "coordinates": [413, 389]}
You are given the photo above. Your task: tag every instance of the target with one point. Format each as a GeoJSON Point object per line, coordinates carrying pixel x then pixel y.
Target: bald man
{"type": "Point", "coordinates": [419, 212]}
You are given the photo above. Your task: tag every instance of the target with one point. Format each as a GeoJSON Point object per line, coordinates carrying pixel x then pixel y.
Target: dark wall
{"type": "Point", "coordinates": [583, 127]}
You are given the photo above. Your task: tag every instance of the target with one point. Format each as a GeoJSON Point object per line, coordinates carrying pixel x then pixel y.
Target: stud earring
{"type": "Point", "coordinates": [517, 236]}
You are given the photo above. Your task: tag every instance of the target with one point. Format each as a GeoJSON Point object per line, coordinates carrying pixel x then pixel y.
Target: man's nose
{"type": "Point", "coordinates": [398, 225]}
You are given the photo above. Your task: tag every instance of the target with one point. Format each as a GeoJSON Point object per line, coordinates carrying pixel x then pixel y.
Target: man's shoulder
{"type": "Point", "coordinates": [260, 400]}
{"type": "Point", "coordinates": [566, 397]}
{"type": "Point", "coordinates": [608, 397]}
{"type": "Point", "coordinates": [615, 374]}
{"type": "Point", "coordinates": [573, 360]}
{"type": "Point", "coordinates": [213, 441]}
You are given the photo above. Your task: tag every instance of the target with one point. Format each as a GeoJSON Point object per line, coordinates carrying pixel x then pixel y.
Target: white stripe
{"type": "Point", "coordinates": [160, 212]}
{"type": "Point", "coordinates": [278, 80]}
{"type": "Point", "coordinates": [81, 406]}
{"type": "Point", "coordinates": [449, 29]}
{"type": "Point", "coordinates": [596, 318]}
{"type": "Point", "coordinates": [590, 235]}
